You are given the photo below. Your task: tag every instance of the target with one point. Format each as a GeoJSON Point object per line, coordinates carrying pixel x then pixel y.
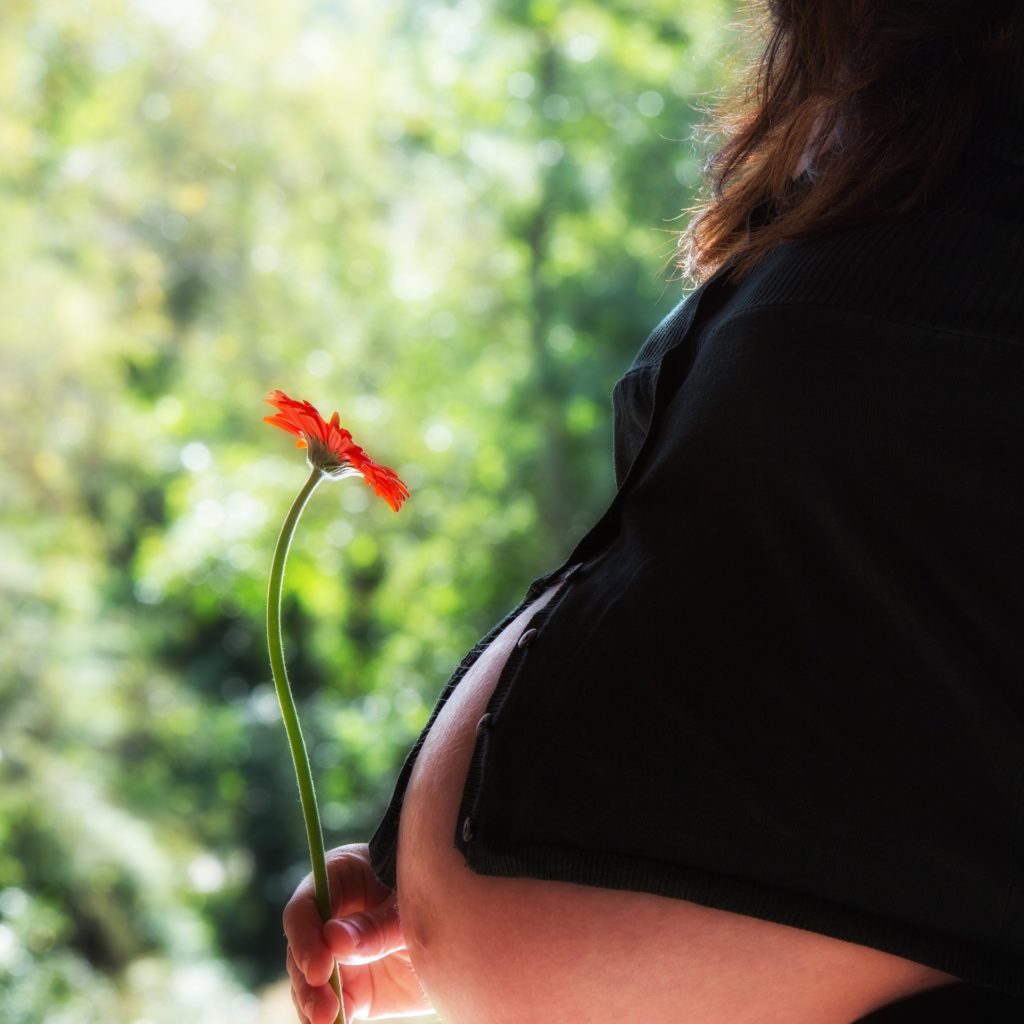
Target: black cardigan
{"type": "Point", "coordinates": [785, 676]}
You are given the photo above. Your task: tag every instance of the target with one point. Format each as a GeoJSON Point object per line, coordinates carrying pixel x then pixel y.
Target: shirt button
{"type": "Point", "coordinates": [467, 829]}
{"type": "Point", "coordinates": [525, 639]}
{"type": "Point", "coordinates": [483, 724]}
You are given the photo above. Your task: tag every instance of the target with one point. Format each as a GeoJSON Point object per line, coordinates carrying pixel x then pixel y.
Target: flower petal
{"type": "Point", "coordinates": [330, 448]}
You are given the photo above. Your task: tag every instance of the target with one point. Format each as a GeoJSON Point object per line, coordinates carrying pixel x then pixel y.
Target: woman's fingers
{"type": "Point", "coordinates": [303, 995]}
{"type": "Point", "coordinates": [323, 1007]}
{"type": "Point", "coordinates": [353, 883]}
{"type": "Point", "coordinates": [314, 1005]}
{"type": "Point", "coordinates": [303, 1019]}
{"type": "Point", "coordinates": [302, 926]}
{"type": "Point", "coordinates": [366, 935]}
{"type": "Point", "coordinates": [371, 910]}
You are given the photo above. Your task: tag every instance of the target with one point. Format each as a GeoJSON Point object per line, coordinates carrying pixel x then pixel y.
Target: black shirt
{"type": "Point", "coordinates": [785, 676]}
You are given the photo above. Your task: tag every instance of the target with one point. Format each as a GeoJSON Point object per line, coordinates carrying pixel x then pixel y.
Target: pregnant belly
{"type": "Point", "coordinates": [493, 950]}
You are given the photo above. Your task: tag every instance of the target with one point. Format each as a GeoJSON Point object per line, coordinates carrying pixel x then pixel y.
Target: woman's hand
{"type": "Point", "coordinates": [377, 978]}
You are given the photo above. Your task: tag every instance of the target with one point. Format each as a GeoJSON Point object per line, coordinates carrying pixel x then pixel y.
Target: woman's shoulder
{"type": "Point", "coordinates": [954, 266]}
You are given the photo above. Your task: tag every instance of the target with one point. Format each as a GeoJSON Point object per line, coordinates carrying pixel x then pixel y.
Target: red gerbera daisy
{"type": "Point", "coordinates": [330, 448]}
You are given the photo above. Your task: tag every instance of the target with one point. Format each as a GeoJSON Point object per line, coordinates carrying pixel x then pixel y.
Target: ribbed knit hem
{"type": "Point", "coordinates": [959, 1002]}
{"type": "Point", "coordinates": [984, 967]}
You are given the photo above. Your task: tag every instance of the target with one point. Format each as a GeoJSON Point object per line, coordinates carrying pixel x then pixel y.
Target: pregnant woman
{"type": "Point", "coordinates": [754, 754]}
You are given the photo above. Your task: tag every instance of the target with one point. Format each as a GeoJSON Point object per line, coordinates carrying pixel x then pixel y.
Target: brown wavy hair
{"type": "Point", "coordinates": [879, 97]}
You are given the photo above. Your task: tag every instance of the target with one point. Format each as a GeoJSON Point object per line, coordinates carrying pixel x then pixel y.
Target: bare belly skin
{"type": "Point", "coordinates": [507, 950]}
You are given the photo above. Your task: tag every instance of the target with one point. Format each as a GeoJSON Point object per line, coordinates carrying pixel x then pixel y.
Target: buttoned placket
{"type": "Point", "coordinates": [588, 548]}
{"type": "Point", "coordinates": [486, 721]}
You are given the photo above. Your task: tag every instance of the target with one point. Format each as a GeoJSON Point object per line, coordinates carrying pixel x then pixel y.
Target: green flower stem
{"type": "Point", "coordinates": [307, 795]}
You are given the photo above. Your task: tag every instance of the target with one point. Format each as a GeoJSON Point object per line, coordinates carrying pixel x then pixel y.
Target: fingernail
{"type": "Point", "coordinates": [353, 933]}
{"type": "Point", "coordinates": [310, 1007]}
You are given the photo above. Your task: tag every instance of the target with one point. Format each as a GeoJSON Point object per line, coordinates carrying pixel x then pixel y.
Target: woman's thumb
{"type": "Point", "coordinates": [366, 935]}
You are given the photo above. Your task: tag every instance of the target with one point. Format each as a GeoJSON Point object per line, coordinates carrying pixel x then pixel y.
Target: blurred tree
{"type": "Point", "coordinates": [449, 220]}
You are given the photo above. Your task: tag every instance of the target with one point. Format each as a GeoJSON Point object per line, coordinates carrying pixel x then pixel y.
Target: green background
{"type": "Point", "coordinates": [452, 222]}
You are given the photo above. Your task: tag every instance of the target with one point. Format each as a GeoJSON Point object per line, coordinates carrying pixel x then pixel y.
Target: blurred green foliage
{"type": "Point", "coordinates": [452, 222]}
